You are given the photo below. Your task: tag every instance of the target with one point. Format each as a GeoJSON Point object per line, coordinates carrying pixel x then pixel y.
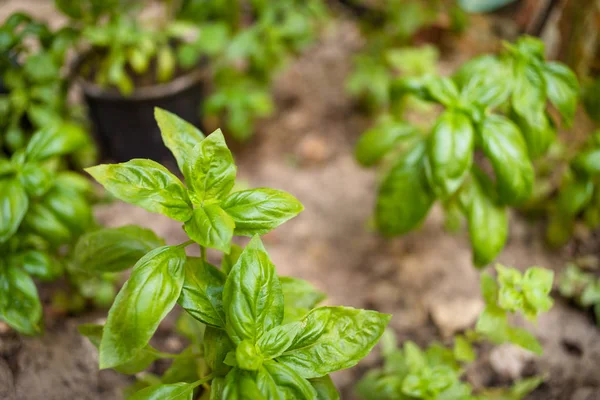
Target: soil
{"type": "Point", "coordinates": [425, 279]}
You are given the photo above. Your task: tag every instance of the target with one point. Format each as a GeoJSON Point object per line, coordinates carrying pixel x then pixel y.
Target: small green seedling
{"type": "Point", "coordinates": [495, 106]}
{"type": "Point", "coordinates": [436, 373]}
{"type": "Point", "coordinates": [582, 287]}
{"type": "Point", "coordinates": [261, 337]}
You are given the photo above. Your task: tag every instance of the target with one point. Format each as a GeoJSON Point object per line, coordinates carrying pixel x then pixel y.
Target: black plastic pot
{"type": "Point", "coordinates": [125, 126]}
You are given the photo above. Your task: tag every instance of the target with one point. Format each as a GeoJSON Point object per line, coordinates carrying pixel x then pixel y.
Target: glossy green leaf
{"type": "Point", "coordinates": [38, 263]}
{"type": "Point", "coordinates": [41, 220]}
{"type": "Point", "coordinates": [449, 153]}
{"type": "Point", "coordinates": [216, 347]}
{"type": "Point", "coordinates": [537, 285]}
{"type": "Point", "coordinates": [146, 184]}
{"type": "Point", "coordinates": [146, 298]}
{"type": "Point", "coordinates": [396, 212]}
{"type": "Point", "coordinates": [442, 89]}
{"type": "Point", "coordinates": [214, 171]}
{"type": "Point", "coordinates": [574, 197]}
{"type": "Point", "coordinates": [525, 339]}
{"type": "Point", "coordinates": [173, 391]}
{"type": "Point", "coordinates": [180, 137]}
{"type": "Point", "coordinates": [536, 129]}
{"type": "Point", "coordinates": [70, 207]}
{"type": "Point", "coordinates": [277, 340]}
{"type": "Point", "coordinates": [379, 140]}
{"type": "Point", "coordinates": [333, 338]}
{"type": "Point", "coordinates": [20, 305]}
{"type": "Point", "coordinates": [587, 162]}
{"type": "Point", "coordinates": [13, 206]}
{"type": "Point", "coordinates": [299, 298]}
{"type": "Point", "coordinates": [503, 144]}
{"type": "Point", "coordinates": [36, 179]}
{"type": "Point", "coordinates": [484, 80]}
{"type": "Point", "coordinates": [210, 226]}
{"type": "Point", "coordinates": [241, 385]}
{"type": "Point", "coordinates": [114, 249]}
{"type": "Point", "coordinates": [277, 381]}
{"type": "Point", "coordinates": [258, 211]}
{"type": "Point", "coordinates": [55, 140]}
{"type": "Point", "coordinates": [562, 89]}
{"type": "Point", "coordinates": [252, 296]}
{"type": "Point", "coordinates": [325, 388]}
{"type": "Point", "coordinates": [488, 222]}
{"type": "Point", "coordinates": [202, 293]}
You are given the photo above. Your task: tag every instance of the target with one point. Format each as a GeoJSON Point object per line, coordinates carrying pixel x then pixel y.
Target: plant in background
{"type": "Point", "coordinates": [388, 28]}
{"type": "Point", "coordinates": [496, 105]}
{"type": "Point", "coordinates": [436, 373]}
{"type": "Point", "coordinates": [262, 337]}
{"type": "Point", "coordinates": [581, 286]}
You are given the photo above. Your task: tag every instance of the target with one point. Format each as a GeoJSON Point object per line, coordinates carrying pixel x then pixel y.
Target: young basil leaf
{"type": "Point", "coordinates": [114, 249]}
{"type": "Point", "coordinates": [147, 184]}
{"type": "Point", "coordinates": [277, 381]}
{"type": "Point", "coordinates": [395, 212]}
{"type": "Point", "coordinates": [325, 388]}
{"type": "Point", "coordinates": [216, 347]}
{"type": "Point", "coordinates": [229, 260]}
{"type": "Point", "coordinates": [20, 305]}
{"type": "Point", "coordinates": [180, 137]}
{"type": "Point", "coordinates": [485, 81]}
{"type": "Point", "coordinates": [379, 140]}
{"type": "Point", "coordinates": [139, 362]}
{"type": "Point", "coordinates": [333, 338]}
{"type": "Point", "coordinates": [503, 144]}
{"type": "Point", "coordinates": [145, 299]}
{"type": "Point", "coordinates": [450, 153]}
{"type": "Point", "coordinates": [41, 220]}
{"type": "Point", "coordinates": [202, 293]}
{"type": "Point", "coordinates": [442, 89]}
{"type": "Point", "coordinates": [71, 208]}
{"type": "Point", "coordinates": [210, 226]}
{"type": "Point", "coordinates": [55, 140]}
{"type": "Point", "coordinates": [13, 206]}
{"type": "Point", "coordinates": [299, 298]}
{"type": "Point", "coordinates": [562, 89]}
{"type": "Point", "coordinates": [214, 171]}
{"type": "Point", "coordinates": [38, 263]}
{"type": "Point", "coordinates": [173, 391]}
{"type": "Point", "coordinates": [277, 340]}
{"type": "Point", "coordinates": [536, 285]}
{"type": "Point", "coordinates": [36, 179]}
{"type": "Point", "coordinates": [488, 222]}
{"type": "Point", "coordinates": [493, 323]}
{"type": "Point", "coordinates": [587, 162]}
{"type": "Point", "coordinates": [258, 211]}
{"type": "Point", "coordinates": [529, 92]}
{"type": "Point", "coordinates": [536, 129]}
{"type": "Point", "coordinates": [241, 385]}
{"type": "Point", "coordinates": [252, 296]}
{"type": "Point", "coordinates": [525, 339]}
{"type": "Point", "coordinates": [575, 196]}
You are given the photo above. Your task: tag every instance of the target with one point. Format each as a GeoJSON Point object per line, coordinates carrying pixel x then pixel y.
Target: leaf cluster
{"type": "Point", "coordinates": [261, 335]}
{"type": "Point", "coordinates": [496, 106]}
{"type": "Point", "coordinates": [581, 286]}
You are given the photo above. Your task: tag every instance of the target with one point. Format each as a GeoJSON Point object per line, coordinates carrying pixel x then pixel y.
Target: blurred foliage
{"type": "Point", "coordinates": [583, 287]}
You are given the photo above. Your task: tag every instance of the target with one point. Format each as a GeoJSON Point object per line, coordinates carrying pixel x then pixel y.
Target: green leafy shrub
{"type": "Point", "coordinates": [436, 372]}
{"type": "Point", "coordinates": [495, 106]}
{"type": "Point", "coordinates": [581, 286]}
{"type": "Point", "coordinates": [262, 336]}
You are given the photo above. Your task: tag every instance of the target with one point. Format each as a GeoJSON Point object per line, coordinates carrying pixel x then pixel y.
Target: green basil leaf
{"type": "Point", "coordinates": [71, 208]}
{"type": "Point", "coordinates": [210, 226]}
{"type": "Point", "coordinates": [55, 140]}
{"type": "Point", "coordinates": [41, 220]}
{"type": "Point", "coordinates": [463, 350]}
{"type": "Point", "coordinates": [240, 385]}
{"type": "Point", "coordinates": [442, 89]}
{"type": "Point", "coordinates": [529, 92]}
{"type": "Point", "coordinates": [146, 298]}
{"type": "Point", "coordinates": [139, 362]}
{"type": "Point", "coordinates": [216, 347]}
{"type": "Point", "coordinates": [214, 171]}
{"type": "Point", "coordinates": [216, 389]}
{"type": "Point", "coordinates": [20, 305]}
{"type": "Point", "coordinates": [252, 296]}
{"type": "Point", "coordinates": [493, 324]}
{"type": "Point", "coordinates": [536, 129]}
{"type": "Point", "coordinates": [503, 144]}
{"type": "Point", "coordinates": [147, 184]}
{"type": "Point", "coordinates": [333, 338]}
{"type": "Point", "coordinates": [36, 179]}
{"type": "Point", "coordinates": [277, 381]}
{"type": "Point", "coordinates": [379, 140]}
{"type": "Point", "coordinates": [575, 196]}
{"type": "Point", "coordinates": [562, 89]}
{"type": "Point", "coordinates": [488, 222]}
{"type": "Point", "coordinates": [183, 368]}
{"type": "Point", "coordinates": [525, 339]}
{"type": "Point", "coordinates": [485, 81]}
{"type": "Point", "coordinates": [202, 293]}
{"type": "Point", "coordinates": [299, 298]}
{"type": "Point", "coordinates": [587, 162]}
{"type": "Point", "coordinates": [325, 388]}
{"type": "Point", "coordinates": [277, 340]}
{"type": "Point", "coordinates": [13, 206]}
{"type": "Point", "coordinates": [450, 153]}
{"type": "Point", "coordinates": [229, 260]}
{"type": "Point", "coordinates": [114, 249]}
{"type": "Point", "coordinates": [395, 212]}
{"type": "Point", "coordinates": [39, 264]}
{"type": "Point", "coordinates": [258, 211]}
{"type": "Point", "coordinates": [173, 391]}
{"type": "Point", "coordinates": [180, 137]}
{"type": "Point", "coordinates": [537, 284]}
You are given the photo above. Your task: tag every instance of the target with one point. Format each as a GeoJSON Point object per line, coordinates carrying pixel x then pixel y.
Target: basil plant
{"type": "Point", "coordinates": [436, 373]}
{"type": "Point", "coordinates": [494, 107]}
{"type": "Point", "coordinates": [262, 338]}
